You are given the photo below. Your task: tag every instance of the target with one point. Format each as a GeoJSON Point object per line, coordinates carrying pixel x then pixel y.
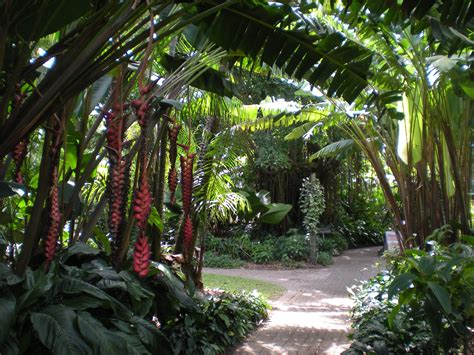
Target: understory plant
{"type": "Point", "coordinates": [291, 249]}
{"type": "Point", "coordinates": [222, 321]}
{"type": "Point", "coordinates": [423, 304]}
{"type": "Point", "coordinates": [223, 261]}
{"type": "Point", "coordinates": [82, 305]}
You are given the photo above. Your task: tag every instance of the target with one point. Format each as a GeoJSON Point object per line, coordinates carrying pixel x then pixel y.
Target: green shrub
{"type": "Point", "coordinates": [328, 245]}
{"type": "Point", "coordinates": [424, 304]}
{"type": "Point", "coordinates": [364, 230]}
{"type": "Point", "coordinates": [340, 242]}
{"type": "Point", "coordinates": [83, 306]}
{"type": "Point", "coordinates": [223, 321]}
{"type": "Point", "coordinates": [324, 258]}
{"type": "Point", "coordinates": [292, 263]}
{"type": "Point", "coordinates": [333, 244]}
{"type": "Point", "coordinates": [263, 252]}
{"type": "Point", "coordinates": [292, 247]}
{"type": "Point", "coordinates": [237, 247]}
{"type": "Point", "coordinates": [221, 261]}
{"type": "Point", "coordinates": [372, 308]}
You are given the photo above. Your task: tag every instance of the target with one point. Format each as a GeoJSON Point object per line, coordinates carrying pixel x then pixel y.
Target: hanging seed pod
{"type": "Point", "coordinates": [141, 255]}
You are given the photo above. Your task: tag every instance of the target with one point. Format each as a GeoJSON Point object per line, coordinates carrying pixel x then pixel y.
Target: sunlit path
{"type": "Point", "coordinates": [312, 317]}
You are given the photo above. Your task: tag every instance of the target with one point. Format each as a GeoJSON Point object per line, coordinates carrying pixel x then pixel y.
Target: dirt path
{"type": "Point", "coordinates": [311, 317]}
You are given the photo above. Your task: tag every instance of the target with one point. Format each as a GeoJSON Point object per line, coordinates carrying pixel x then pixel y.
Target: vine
{"type": "Point", "coordinates": [312, 203]}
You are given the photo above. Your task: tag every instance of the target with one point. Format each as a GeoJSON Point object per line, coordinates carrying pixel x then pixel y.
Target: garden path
{"type": "Point", "coordinates": [312, 316]}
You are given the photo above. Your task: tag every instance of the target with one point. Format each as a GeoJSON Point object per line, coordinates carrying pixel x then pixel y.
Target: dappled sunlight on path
{"type": "Point", "coordinates": [312, 317]}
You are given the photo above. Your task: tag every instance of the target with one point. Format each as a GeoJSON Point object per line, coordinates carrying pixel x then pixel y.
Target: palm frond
{"type": "Point", "coordinates": [281, 39]}
{"type": "Point", "coordinates": [338, 150]}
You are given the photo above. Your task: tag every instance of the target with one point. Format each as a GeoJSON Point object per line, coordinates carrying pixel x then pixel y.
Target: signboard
{"type": "Point", "coordinates": [391, 241]}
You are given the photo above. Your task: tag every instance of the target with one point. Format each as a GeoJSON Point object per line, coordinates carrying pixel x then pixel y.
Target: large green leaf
{"type": "Point", "coordinates": [149, 334]}
{"type": "Point", "coordinates": [45, 17]}
{"type": "Point", "coordinates": [130, 336]}
{"type": "Point", "coordinates": [306, 129]}
{"type": "Point", "coordinates": [468, 87]}
{"type": "Point", "coordinates": [337, 150]}
{"type": "Point", "coordinates": [10, 347]}
{"type": "Point", "coordinates": [8, 189]}
{"type": "Point", "coordinates": [84, 302]}
{"type": "Point", "coordinates": [441, 295]}
{"type": "Point", "coordinates": [79, 248]}
{"type": "Point", "coordinates": [95, 95]}
{"type": "Point", "coordinates": [211, 80]}
{"type": "Point", "coordinates": [276, 213]}
{"type": "Point", "coordinates": [7, 314]}
{"type": "Point", "coordinates": [450, 20]}
{"type": "Point", "coordinates": [400, 283]}
{"type": "Point", "coordinates": [98, 337]}
{"type": "Point", "coordinates": [173, 287]}
{"type": "Point", "coordinates": [55, 329]}
{"type": "Point", "coordinates": [37, 283]}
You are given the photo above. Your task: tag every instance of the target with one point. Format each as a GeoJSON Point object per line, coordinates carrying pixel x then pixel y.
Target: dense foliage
{"type": "Point", "coordinates": [422, 304]}
{"type": "Point", "coordinates": [288, 250]}
{"type": "Point", "coordinates": [83, 306]}
{"type": "Point", "coordinates": [223, 320]}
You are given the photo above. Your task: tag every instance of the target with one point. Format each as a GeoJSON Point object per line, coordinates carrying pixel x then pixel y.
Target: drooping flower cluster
{"type": "Point", "coordinates": [141, 106]}
{"type": "Point", "coordinates": [19, 154]}
{"type": "Point", "coordinates": [141, 255]}
{"type": "Point", "coordinates": [54, 223]}
{"type": "Point", "coordinates": [187, 234]}
{"type": "Point", "coordinates": [118, 173]}
{"type": "Point", "coordinates": [173, 132]}
{"type": "Point", "coordinates": [142, 198]}
{"type": "Point", "coordinates": [187, 163]}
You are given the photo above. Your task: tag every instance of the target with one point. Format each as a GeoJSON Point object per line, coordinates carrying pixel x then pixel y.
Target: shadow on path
{"type": "Point", "coordinates": [312, 316]}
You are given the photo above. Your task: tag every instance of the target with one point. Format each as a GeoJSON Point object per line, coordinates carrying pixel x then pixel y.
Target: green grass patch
{"type": "Point", "coordinates": [235, 284]}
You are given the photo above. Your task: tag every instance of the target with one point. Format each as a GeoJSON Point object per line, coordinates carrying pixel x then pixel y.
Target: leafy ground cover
{"type": "Point", "coordinates": [286, 251]}
{"type": "Point", "coordinates": [235, 284]}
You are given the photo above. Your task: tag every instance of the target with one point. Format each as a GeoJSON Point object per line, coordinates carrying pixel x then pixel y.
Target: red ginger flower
{"type": "Point", "coordinates": [19, 154]}
{"type": "Point", "coordinates": [142, 202]}
{"type": "Point", "coordinates": [54, 222]}
{"type": "Point", "coordinates": [141, 255]}
{"type": "Point", "coordinates": [187, 180]}
{"type": "Point", "coordinates": [188, 233]}
{"type": "Point", "coordinates": [172, 183]}
{"type": "Point", "coordinates": [117, 188]}
{"type": "Point", "coordinates": [114, 122]}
